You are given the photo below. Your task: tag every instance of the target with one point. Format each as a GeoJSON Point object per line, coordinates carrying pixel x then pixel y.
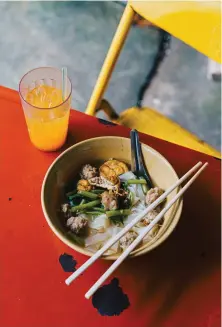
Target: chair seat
{"type": "Point", "coordinates": [151, 122]}
{"type": "Point", "coordinates": [197, 23]}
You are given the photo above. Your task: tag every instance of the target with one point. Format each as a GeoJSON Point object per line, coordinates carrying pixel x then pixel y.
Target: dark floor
{"type": "Point", "coordinates": [78, 35]}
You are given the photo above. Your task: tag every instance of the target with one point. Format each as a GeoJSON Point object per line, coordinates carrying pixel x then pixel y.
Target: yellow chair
{"type": "Point", "coordinates": [197, 23]}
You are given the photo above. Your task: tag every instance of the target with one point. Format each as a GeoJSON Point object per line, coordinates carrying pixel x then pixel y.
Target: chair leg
{"type": "Point", "coordinates": [109, 111]}
{"type": "Point", "coordinates": [111, 58]}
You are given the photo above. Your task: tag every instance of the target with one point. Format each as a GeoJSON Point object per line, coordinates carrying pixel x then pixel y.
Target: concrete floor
{"type": "Point", "coordinates": [78, 35]}
{"type": "Point", "coordinates": [182, 92]}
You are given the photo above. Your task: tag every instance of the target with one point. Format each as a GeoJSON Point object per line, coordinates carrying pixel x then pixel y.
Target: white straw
{"type": "Point", "coordinates": [113, 240]}
{"type": "Point", "coordinates": [132, 246]}
{"type": "Point", "coordinates": [64, 83]}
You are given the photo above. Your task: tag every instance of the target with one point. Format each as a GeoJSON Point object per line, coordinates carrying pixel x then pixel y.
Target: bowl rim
{"type": "Point", "coordinates": [145, 249]}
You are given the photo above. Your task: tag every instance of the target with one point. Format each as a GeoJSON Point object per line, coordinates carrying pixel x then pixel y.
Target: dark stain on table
{"type": "Point", "coordinates": [106, 122]}
{"type": "Point", "coordinates": [110, 300]}
{"type": "Point", "coordinates": [10, 199]}
{"type": "Point", "coordinates": [67, 262]}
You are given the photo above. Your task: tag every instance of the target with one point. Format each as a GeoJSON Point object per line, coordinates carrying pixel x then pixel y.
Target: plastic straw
{"type": "Point", "coordinates": [64, 83]}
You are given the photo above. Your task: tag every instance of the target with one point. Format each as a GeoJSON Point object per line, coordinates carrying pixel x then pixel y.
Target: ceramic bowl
{"type": "Point", "coordinates": [97, 150]}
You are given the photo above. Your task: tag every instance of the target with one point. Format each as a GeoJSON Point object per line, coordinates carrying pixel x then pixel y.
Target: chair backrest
{"type": "Point", "coordinates": [195, 22]}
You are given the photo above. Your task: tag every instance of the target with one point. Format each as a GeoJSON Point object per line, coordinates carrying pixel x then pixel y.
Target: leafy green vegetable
{"type": "Point", "coordinates": [71, 193]}
{"type": "Point", "coordinates": [124, 185]}
{"type": "Point", "coordinates": [74, 196]}
{"type": "Point", "coordinates": [77, 239]}
{"type": "Point", "coordinates": [75, 201]}
{"type": "Point", "coordinates": [117, 220]}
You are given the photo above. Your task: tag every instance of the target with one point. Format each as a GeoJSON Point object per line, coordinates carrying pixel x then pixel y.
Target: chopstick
{"type": "Point", "coordinates": [114, 239]}
{"type": "Point", "coordinates": [132, 246]}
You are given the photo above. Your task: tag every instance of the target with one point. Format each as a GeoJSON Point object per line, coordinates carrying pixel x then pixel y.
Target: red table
{"type": "Point", "coordinates": [176, 285]}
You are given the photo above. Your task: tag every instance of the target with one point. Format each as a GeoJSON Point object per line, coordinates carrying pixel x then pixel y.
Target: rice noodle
{"type": "Point", "coordinates": [99, 221]}
{"type": "Point", "coordinates": [97, 238]}
{"type": "Point", "coordinates": [135, 189]}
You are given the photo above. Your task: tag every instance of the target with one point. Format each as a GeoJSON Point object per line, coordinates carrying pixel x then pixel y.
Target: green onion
{"type": "Point", "coordinates": [97, 191]}
{"type": "Point", "coordinates": [83, 201]}
{"type": "Point", "coordinates": [136, 181]}
{"type": "Point", "coordinates": [99, 209]}
{"type": "Point", "coordinates": [95, 213]}
{"type": "Point", "coordinates": [71, 193]}
{"type": "Point", "coordinates": [131, 197]}
{"type": "Point", "coordinates": [145, 188]}
{"type": "Point", "coordinates": [85, 206]}
{"type": "Point", "coordinates": [74, 196]}
{"type": "Point", "coordinates": [113, 213]}
{"type": "Point", "coordinates": [88, 194]}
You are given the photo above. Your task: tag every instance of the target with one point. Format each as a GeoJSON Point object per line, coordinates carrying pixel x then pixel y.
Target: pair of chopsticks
{"type": "Point", "coordinates": [133, 245]}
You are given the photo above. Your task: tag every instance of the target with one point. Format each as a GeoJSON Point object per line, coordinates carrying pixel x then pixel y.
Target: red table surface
{"type": "Point", "coordinates": [176, 285]}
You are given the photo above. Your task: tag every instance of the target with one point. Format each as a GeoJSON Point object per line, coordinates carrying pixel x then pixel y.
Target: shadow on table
{"type": "Point", "coordinates": [190, 253]}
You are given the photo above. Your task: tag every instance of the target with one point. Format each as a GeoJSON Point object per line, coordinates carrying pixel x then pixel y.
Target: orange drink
{"type": "Point", "coordinates": [46, 112]}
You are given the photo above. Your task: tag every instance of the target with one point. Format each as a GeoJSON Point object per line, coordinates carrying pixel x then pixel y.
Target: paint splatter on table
{"type": "Point", "coordinates": [67, 262]}
{"type": "Point", "coordinates": [110, 300]}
